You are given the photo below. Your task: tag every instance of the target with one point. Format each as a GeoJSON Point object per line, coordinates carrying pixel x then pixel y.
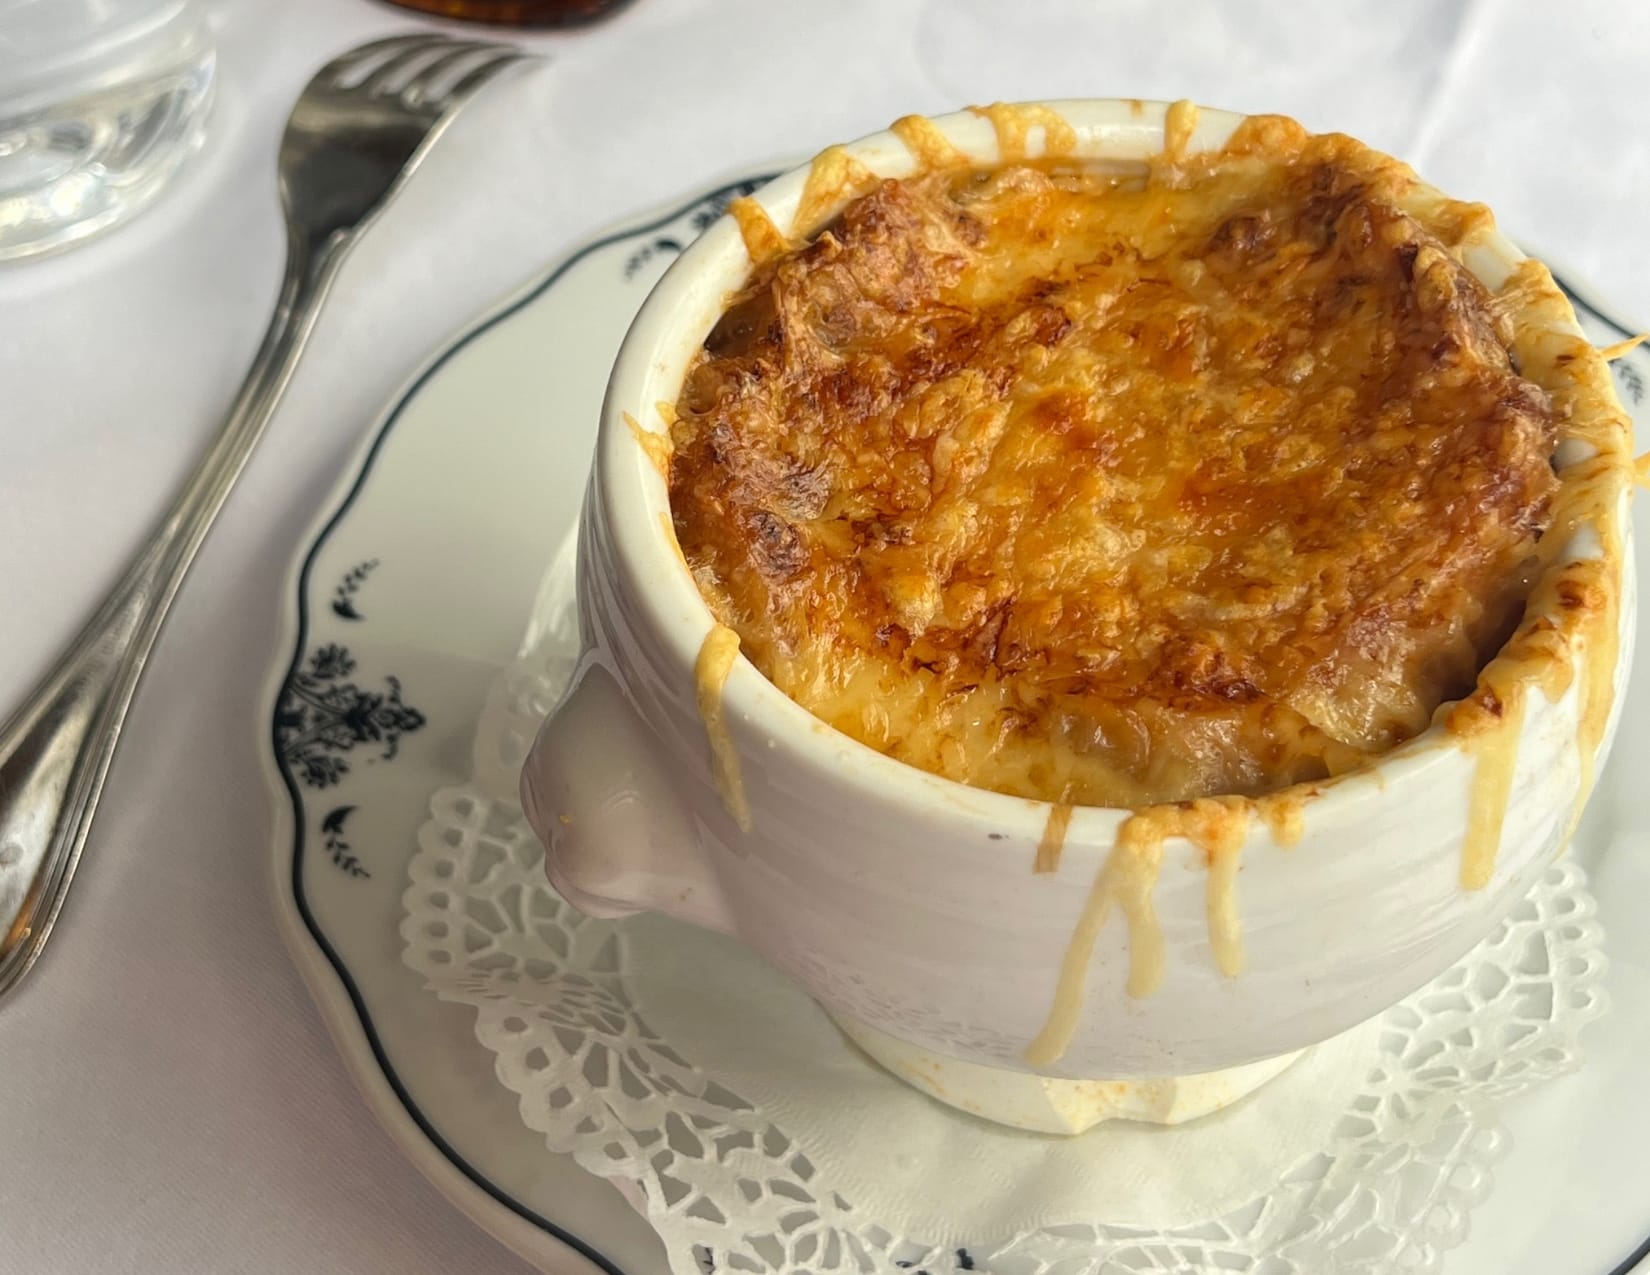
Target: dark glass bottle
{"type": "Point", "coordinates": [519, 13]}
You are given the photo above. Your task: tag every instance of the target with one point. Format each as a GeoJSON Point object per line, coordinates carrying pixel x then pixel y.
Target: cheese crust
{"type": "Point", "coordinates": [1116, 485]}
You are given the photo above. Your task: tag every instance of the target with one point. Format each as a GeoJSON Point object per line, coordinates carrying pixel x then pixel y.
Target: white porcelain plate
{"type": "Point", "coordinates": [411, 593]}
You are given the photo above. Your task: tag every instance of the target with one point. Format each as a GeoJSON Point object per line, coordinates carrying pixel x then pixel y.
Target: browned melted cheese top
{"type": "Point", "coordinates": [1119, 487]}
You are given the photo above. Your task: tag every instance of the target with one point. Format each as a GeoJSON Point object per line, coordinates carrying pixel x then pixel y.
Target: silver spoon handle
{"type": "Point", "coordinates": [56, 748]}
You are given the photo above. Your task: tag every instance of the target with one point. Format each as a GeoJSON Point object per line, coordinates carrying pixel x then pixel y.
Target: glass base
{"type": "Point", "coordinates": [78, 167]}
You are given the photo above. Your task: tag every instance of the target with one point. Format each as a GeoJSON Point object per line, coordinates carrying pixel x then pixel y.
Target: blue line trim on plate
{"type": "Point", "coordinates": [1633, 1259]}
{"type": "Point", "coordinates": [371, 1033]}
{"type": "Point", "coordinates": [495, 1192]}
{"type": "Point", "coordinates": [1581, 303]}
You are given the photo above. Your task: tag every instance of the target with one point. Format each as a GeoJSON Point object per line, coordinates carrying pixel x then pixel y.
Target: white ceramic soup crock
{"type": "Point", "coordinates": [907, 903]}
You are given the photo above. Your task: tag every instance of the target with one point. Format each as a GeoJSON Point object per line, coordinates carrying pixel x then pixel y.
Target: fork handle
{"type": "Point", "coordinates": [56, 748]}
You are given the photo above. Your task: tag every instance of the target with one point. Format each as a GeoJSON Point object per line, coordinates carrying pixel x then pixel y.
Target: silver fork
{"type": "Point", "coordinates": [359, 128]}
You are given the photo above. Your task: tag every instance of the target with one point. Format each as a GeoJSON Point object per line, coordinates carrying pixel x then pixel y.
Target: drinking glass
{"type": "Point", "coordinates": [100, 101]}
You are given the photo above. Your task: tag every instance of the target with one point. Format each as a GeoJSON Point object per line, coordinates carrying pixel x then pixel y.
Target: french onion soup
{"type": "Point", "coordinates": [1116, 487]}
{"type": "Point", "coordinates": [1180, 486]}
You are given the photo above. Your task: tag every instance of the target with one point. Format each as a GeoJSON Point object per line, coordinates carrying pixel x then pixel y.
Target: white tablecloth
{"type": "Point", "coordinates": [168, 1097]}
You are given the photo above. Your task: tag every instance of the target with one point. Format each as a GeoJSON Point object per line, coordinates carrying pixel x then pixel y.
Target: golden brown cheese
{"type": "Point", "coordinates": [1118, 487]}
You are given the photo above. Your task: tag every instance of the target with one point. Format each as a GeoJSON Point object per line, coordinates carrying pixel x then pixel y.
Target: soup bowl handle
{"type": "Point", "coordinates": [619, 836]}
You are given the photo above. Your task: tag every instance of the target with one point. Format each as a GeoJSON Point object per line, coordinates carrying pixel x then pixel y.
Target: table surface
{"type": "Point", "coordinates": [168, 1096]}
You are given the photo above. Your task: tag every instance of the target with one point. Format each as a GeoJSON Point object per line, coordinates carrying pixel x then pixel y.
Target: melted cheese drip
{"type": "Point", "coordinates": [710, 675]}
{"type": "Point", "coordinates": [669, 529]}
{"type": "Point", "coordinates": [1216, 825]}
{"type": "Point", "coordinates": [656, 446]}
{"type": "Point", "coordinates": [1641, 470]}
{"type": "Point", "coordinates": [1284, 814]}
{"type": "Point", "coordinates": [1601, 652]}
{"type": "Point", "coordinates": [834, 178]}
{"type": "Point", "coordinates": [1054, 839]}
{"type": "Point", "coordinates": [1225, 926]}
{"type": "Point", "coordinates": [1178, 126]}
{"type": "Point", "coordinates": [1611, 352]}
{"type": "Point", "coordinates": [1013, 125]}
{"type": "Point", "coordinates": [1126, 879]}
{"type": "Point", "coordinates": [762, 238]}
{"type": "Point", "coordinates": [1495, 755]}
{"type": "Point", "coordinates": [928, 146]}
{"type": "Point", "coordinates": [1572, 619]}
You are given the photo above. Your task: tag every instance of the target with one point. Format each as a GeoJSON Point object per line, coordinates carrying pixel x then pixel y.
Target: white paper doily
{"type": "Point", "coordinates": [606, 1046]}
